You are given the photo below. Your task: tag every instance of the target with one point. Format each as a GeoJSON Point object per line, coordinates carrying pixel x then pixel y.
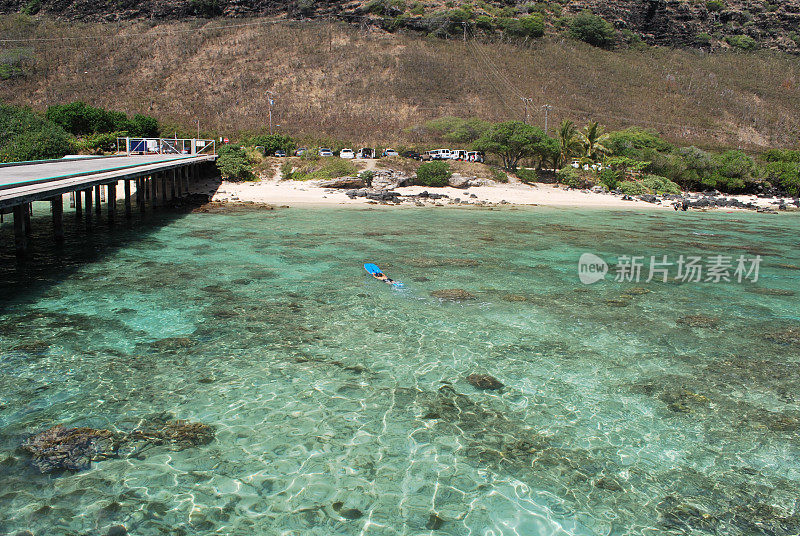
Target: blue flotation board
{"type": "Point", "coordinates": [373, 270]}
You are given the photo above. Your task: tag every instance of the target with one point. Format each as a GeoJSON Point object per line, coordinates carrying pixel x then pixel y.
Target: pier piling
{"type": "Point", "coordinates": [20, 236]}
{"type": "Point", "coordinates": [111, 199]}
{"type": "Point", "coordinates": [57, 208]}
{"type": "Point", "coordinates": [127, 198]}
{"type": "Point", "coordinates": [28, 209]}
{"type": "Point", "coordinates": [87, 197]}
{"type": "Point", "coordinates": [97, 200]}
{"type": "Point", "coordinates": [76, 196]}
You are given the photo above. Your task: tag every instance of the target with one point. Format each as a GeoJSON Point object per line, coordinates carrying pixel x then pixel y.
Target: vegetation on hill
{"type": "Point", "coordinates": [709, 24]}
{"type": "Point", "coordinates": [25, 135]}
{"type": "Point", "coordinates": [369, 88]}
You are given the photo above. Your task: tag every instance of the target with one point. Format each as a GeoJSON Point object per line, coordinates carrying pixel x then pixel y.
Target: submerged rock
{"type": "Point", "coordinates": [74, 449]}
{"type": "Point", "coordinates": [771, 291]}
{"type": "Point", "coordinates": [453, 294]}
{"type": "Point", "coordinates": [172, 343]}
{"type": "Point", "coordinates": [484, 381]}
{"type": "Point", "coordinates": [786, 336]}
{"type": "Point", "coordinates": [181, 433]}
{"type": "Point", "coordinates": [347, 513]}
{"type": "Point", "coordinates": [434, 522]}
{"type": "Point", "coordinates": [699, 321]}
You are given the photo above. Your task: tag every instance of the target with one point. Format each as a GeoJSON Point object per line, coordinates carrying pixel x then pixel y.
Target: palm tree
{"type": "Point", "coordinates": [592, 139]}
{"type": "Point", "coordinates": [568, 143]}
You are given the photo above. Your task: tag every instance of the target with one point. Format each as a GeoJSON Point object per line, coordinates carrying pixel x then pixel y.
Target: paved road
{"type": "Point", "coordinates": [31, 182]}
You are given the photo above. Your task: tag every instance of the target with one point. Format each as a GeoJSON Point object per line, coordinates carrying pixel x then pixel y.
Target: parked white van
{"type": "Point", "coordinates": [439, 154]}
{"type": "Point", "coordinates": [365, 152]}
{"type": "Point", "coordinates": [347, 153]}
{"type": "Point", "coordinates": [458, 154]}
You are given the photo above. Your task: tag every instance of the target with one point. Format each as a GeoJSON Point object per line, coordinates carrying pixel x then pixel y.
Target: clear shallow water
{"type": "Point", "coordinates": [326, 386]}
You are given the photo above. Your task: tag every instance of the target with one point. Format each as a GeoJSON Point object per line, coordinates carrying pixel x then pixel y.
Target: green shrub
{"type": "Point", "coordinates": [742, 42]}
{"type": "Point", "coordinates": [485, 23]}
{"type": "Point", "coordinates": [632, 141]}
{"type": "Point", "coordinates": [234, 164]}
{"type": "Point", "coordinates": [24, 135]}
{"type": "Point", "coordinates": [610, 178]}
{"type": "Point", "coordinates": [785, 175]}
{"type": "Point", "coordinates": [499, 175]}
{"type": "Point", "coordinates": [273, 142]}
{"type": "Point", "coordinates": [649, 184]}
{"type": "Point", "coordinates": [734, 170]}
{"type": "Point", "coordinates": [527, 26]}
{"type": "Point", "coordinates": [286, 171]}
{"type": "Point", "coordinates": [105, 142]}
{"type": "Point", "coordinates": [703, 39]}
{"type": "Point", "coordinates": [32, 7]}
{"type": "Point", "coordinates": [528, 176]}
{"type": "Point", "coordinates": [781, 155]}
{"type": "Point", "coordinates": [715, 6]}
{"type": "Point", "coordinates": [433, 174]}
{"type": "Point", "coordinates": [569, 176]}
{"type": "Point", "coordinates": [590, 28]}
{"type": "Point", "coordinates": [367, 177]}
{"type": "Point", "coordinates": [79, 118]}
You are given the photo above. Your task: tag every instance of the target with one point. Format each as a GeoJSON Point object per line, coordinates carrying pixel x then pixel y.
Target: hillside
{"type": "Point", "coordinates": [704, 24]}
{"type": "Point", "coordinates": [365, 85]}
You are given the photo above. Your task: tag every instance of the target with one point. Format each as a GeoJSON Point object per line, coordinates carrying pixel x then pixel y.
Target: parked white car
{"type": "Point", "coordinates": [324, 151]}
{"type": "Point", "coordinates": [347, 153]}
{"type": "Point", "coordinates": [390, 152]}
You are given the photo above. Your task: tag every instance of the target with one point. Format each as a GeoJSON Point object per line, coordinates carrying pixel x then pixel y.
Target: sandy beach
{"type": "Point", "coordinates": [305, 193]}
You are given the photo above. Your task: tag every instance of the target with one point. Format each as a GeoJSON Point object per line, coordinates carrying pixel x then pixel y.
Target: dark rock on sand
{"type": "Point", "coordinates": [608, 484]}
{"type": "Point", "coordinates": [117, 530]}
{"type": "Point", "coordinates": [484, 381]}
{"type": "Point", "coordinates": [180, 433]}
{"type": "Point", "coordinates": [347, 513]}
{"type": "Point", "coordinates": [453, 294]}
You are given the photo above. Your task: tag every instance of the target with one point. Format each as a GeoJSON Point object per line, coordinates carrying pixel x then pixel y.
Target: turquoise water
{"type": "Point", "coordinates": [629, 408]}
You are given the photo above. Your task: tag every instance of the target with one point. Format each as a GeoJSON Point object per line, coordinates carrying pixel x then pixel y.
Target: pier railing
{"type": "Point", "coordinates": [166, 146]}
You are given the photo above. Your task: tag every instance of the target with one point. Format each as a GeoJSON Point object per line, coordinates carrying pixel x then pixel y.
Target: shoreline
{"type": "Point", "coordinates": [310, 194]}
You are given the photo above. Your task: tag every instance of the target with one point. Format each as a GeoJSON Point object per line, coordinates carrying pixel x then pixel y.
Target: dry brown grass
{"type": "Point", "coordinates": [371, 88]}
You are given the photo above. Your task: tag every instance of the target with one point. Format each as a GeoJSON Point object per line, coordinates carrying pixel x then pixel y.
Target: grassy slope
{"type": "Point", "coordinates": [365, 86]}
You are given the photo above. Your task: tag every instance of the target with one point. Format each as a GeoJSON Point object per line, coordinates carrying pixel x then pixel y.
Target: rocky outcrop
{"type": "Point", "coordinates": [388, 179]}
{"type": "Point", "coordinates": [453, 294]}
{"type": "Point", "coordinates": [458, 180]}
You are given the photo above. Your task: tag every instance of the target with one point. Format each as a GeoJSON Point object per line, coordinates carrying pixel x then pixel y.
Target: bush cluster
{"type": "Point", "coordinates": [80, 119]}
{"type": "Point", "coordinates": [592, 29]}
{"type": "Point", "coordinates": [25, 135]}
{"type": "Point", "coordinates": [272, 143]}
{"type": "Point", "coordinates": [234, 164]}
{"type": "Point", "coordinates": [649, 184]}
{"type": "Point", "coordinates": [433, 174]}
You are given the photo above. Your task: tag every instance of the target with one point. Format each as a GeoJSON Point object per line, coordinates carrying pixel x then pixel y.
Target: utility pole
{"type": "Point", "coordinates": [527, 101]}
{"type": "Point", "coordinates": [465, 31]}
{"type": "Point", "coordinates": [271, 102]}
{"type": "Point", "coordinates": [198, 129]}
{"type": "Point", "coordinates": [547, 109]}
